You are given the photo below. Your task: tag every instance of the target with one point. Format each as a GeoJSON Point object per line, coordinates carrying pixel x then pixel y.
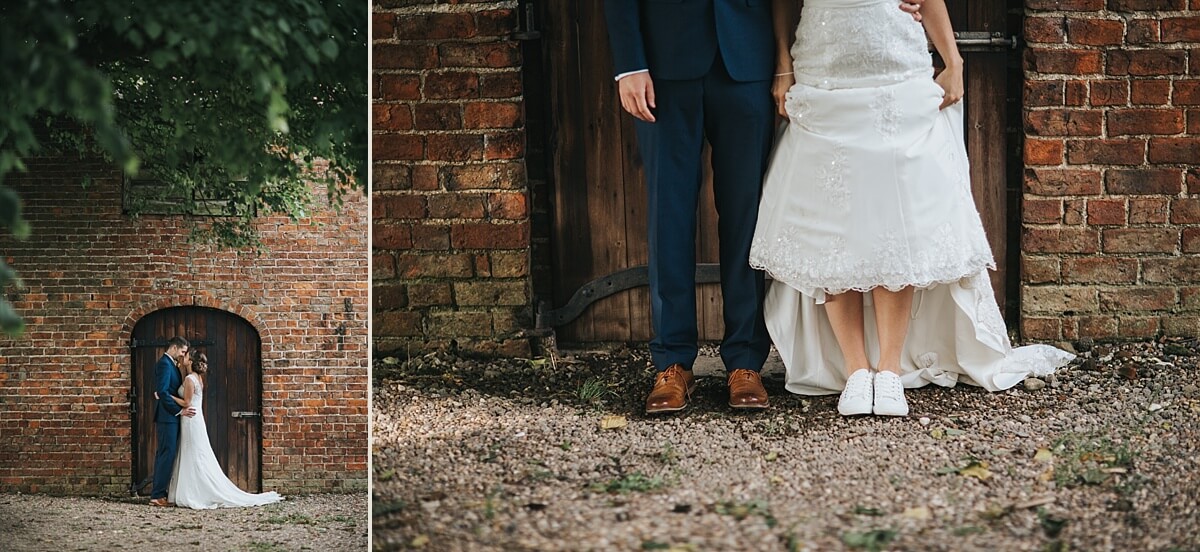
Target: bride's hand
{"type": "Point", "coordinates": [779, 88]}
{"type": "Point", "coordinates": [912, 7]}
{"type": "Point", "coordinates": [951, 81]}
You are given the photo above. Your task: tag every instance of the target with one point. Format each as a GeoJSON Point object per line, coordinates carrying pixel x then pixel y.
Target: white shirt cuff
{"type": "Point", "coordinates": [623, 75]}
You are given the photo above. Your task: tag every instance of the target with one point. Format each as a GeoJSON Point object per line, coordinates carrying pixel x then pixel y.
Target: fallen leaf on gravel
{"type": "Point", "coordinates": [1047, 475]}
{"type": "Point", "coordinates": [937, 433]}
{"type": "Point", "coordinates": [951, 432]}
{"type": "Point", "coordinates": [920, 512]}
{"type": "Point", "coordinates": [386, 475]}
{"type": "Point", "coordinates": [777, 480]}
{"type": "Point", "coordinates": [611, 421]}
{"type": "Point", "coordinates": [870, 540]}
{"type": "Point", "coordinates": [995, 511]}
{"type": "Point", "coordinates": [866, 511]}
{"type": "Point", "coordinates": [977, 470]}
{"type": "Point", "coordinates": [391, 360]}
{"type": "Point", "coordinates": [1051, 524]}
{"type": "Point", "coordinates": [1128, 371]}
{"type": "Point", "coordinates": [772, 456]}
{"type": "Point", "coordinates": [1177, 350]}
{"type": "Point", "coordinates": [1043, 455]}
{"type": "Point", "coordinates": [384, 508]}
{"type": "Point", "coordinates": [419, 541]}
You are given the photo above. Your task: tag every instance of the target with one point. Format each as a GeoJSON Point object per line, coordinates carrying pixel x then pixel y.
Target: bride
{"type": "Point", "coordinates": [867, 226]}
{"type": "Point", "coordinates": [198, 481]}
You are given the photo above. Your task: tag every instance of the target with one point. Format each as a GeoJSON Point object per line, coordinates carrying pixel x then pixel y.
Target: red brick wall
{"type": "Point", "coordinates": [91, 272]}
{"type": "Point", "coordinates": [1111, 208]}
{"type": "Point", "coordinates": [450, 201]}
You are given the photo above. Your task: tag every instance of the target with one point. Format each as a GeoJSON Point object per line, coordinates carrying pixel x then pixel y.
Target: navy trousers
{"type": "Point", "coordinates": [164, 457]}
{"type": "Point", "coordinates": [738, 119]}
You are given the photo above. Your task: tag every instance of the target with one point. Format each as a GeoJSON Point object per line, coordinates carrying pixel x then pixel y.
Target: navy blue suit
{"type": "Point", "coordinates": [166, 423]}
{"type": "Point", "coordinates": [712, 62]}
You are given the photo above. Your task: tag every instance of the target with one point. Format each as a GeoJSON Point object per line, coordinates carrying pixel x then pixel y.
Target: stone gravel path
{"type": "Point", "coordinates": [512, 455]}
{"type": "Point", "coordinates": [61, 524]}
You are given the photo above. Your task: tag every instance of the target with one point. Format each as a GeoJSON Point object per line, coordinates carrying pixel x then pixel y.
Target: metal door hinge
{"type": "Point", "coordinates": [526, 25]}
{"type": "Point", "coordinates": [982, 41]}
{"type": "Point", "coordinates": [245, 414]}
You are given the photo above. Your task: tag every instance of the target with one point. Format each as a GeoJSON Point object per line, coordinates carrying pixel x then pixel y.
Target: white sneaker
{"type": "Point", "coordinates": [856, 397]}
{"type": "Point", "coordinates": [889, 395]}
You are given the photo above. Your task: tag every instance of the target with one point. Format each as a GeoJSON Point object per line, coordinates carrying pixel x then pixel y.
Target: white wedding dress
{"type": "Point", "coordinates": [869, 186]}
{"type": "Point", "coordinates": [198, 481]}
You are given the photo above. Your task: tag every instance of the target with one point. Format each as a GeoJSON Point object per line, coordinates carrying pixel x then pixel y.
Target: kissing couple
{"type": "Point", "coordinates": [186, 472]}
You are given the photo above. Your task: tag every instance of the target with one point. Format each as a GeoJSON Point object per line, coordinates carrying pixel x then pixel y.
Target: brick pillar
{"type": "Point", "coordinates": [1111, 205]}
{"type": "Point", "coordinates": [451, 216]}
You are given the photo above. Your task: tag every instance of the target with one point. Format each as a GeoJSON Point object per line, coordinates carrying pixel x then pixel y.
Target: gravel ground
{"type": "Point", "coordinates": [313, 522]}
{"type": "Point", "coordinates": [511, 455]}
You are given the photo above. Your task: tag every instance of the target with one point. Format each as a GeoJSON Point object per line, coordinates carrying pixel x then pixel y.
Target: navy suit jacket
{"type": "Point", "coordinates": [166, 382]}
{"type": "Point", "coordinates": [680, 39]}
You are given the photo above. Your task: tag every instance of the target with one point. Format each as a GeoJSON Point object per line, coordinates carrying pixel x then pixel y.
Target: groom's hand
{"type": "Point", "coordinates": [189, 411]}
{"type": "Point", "coordinates": [637, 95]}
{"type": "Point", "coordinates": [913, 7]}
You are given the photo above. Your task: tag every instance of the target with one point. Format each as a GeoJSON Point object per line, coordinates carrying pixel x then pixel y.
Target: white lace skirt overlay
{"type": "Point", "coordinates": [869, 186]}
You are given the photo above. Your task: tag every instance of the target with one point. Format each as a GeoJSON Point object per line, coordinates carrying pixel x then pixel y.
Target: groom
{"type": "Point", "coordinates": [690, 70]}
{"type": "Point", "coordinates": [166, 417]}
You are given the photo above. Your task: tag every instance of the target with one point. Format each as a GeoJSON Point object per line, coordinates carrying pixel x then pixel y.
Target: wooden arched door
{"type": "Point", "coordinates": [598, 228]}
{"type": "Point", "coordinates": [232, 395]}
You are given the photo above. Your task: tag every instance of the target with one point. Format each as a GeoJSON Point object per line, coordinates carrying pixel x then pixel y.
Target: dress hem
{"type": "Point", "coordinates": [974, 269]}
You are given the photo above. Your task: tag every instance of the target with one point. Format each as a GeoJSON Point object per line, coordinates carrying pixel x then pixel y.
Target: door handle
{"type": "Point", "coordinates": [245, 414]}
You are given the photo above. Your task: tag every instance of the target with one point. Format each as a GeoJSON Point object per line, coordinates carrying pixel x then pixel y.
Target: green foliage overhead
{"type": "Point", "coordinates": [244, 103]}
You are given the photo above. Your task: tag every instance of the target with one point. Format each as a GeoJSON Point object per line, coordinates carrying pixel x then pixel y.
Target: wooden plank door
{"type": "Point", "coordinates": [233, 384]}
{"type": "Point", "coordinates": [599, 195]}
{"type": "Point", "coordinates": [987, 112]}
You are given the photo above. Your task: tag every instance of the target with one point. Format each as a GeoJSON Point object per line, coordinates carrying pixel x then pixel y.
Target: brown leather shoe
{"type": "Point", "coordinates": [672, 389]}
{"type": "Point", "coordinates": [746, 390]}
{"type": "Point", "coordinates": [160, 502]}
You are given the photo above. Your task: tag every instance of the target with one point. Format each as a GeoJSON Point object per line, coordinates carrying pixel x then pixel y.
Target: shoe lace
{"type": "Point", "coordinates": [745, 375]}
{"type": "Point", "coordinates": [858, 387]}
{"type": "Point", "coordinates": [892, 387]}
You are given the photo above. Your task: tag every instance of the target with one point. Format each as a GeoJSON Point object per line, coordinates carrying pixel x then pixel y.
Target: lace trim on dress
{"type": "Point", "coordinates": [833, 178]}
{"type": "Point", "coordinates": [887, 113]}
{"type": "Point", "coordinates": [796, 105]}
{"type": "Point", "coordinates": [894, 265]}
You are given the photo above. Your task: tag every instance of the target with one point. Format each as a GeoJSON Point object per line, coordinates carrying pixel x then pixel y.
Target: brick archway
{"type": "Point", "coordinates": [201, 300]}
